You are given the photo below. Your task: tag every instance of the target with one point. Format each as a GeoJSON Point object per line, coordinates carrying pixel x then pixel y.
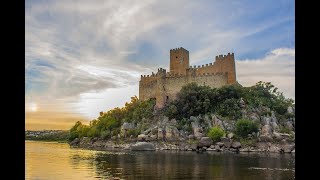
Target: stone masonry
{"type": "Point", "coordinates": [164, 86]}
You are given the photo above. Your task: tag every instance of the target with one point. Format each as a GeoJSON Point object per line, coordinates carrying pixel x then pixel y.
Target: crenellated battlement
{"type": "Point", "coordinates": [222, 57]}
{"type": "Point", "coordinates": [164, 85]}
{"type": "Point", "coordinates": [175, 50]}
{"type": "Point", "coordinates": [161, 72]}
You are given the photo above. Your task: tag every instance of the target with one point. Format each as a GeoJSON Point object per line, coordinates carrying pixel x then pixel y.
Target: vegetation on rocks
{"type": "Point", "coordinates": [194, 100]}
{"type": "Point", "coordinates": [248, 112]}
{"type": "Point", "coordinates": [245, 127]}
{"type": "Point", "coordinates": [108, 123]}
{"type": "Point", "coordinates": [216, 133]}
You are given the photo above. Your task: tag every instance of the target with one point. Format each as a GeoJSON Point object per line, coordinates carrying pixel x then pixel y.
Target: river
{"type": "Point", "coordinates": [51, 160]}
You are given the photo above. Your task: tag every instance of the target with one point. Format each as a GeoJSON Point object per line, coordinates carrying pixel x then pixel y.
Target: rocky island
{"type": "Point", "coordinates": [195, 108]}
{"type": "Point", "coordinates": [245, 119]}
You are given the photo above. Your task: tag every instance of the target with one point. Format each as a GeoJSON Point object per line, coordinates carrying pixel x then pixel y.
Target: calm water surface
{"type": "Point", "coordinates": [50, 160]}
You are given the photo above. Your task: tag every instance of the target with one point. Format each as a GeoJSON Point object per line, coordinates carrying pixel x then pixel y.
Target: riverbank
{"type": "Point", "coordinates": [201, 145]}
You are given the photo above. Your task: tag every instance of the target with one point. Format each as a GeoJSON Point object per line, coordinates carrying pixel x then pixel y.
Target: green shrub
{"type": "Point", "coordinates": [215, 133]}
{"type": "Point", "coordinates": [229, 108]}
{"type": "Point", "coordinates": [133, 132]}
{"type": "Point", "coordinates": [105, 134]}
{"type": "Point", "coordinates": [245, 127]}
{"type": "Point", "coordinates": [285, 130]}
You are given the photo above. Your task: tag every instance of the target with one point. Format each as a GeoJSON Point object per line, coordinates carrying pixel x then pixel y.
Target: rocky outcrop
{"type": "Point", "coordinates": [190, 134]}
{"type": "Point", "coordinates": [75, 142]}
{"type": "Point", "coordinates": [217, 122]}
{"type": "Point", "coordinates": [266, 133]}
{"type": "Point", "coordinates": [207, 121]}
{"type": "Point", "coordinates": [197, 130]}
{"type": "Point", "coordinates": [205, 142]}
{"type": "Point", "coordinates": [265, 120]}
{"type": "Point", "coordinates": [143, 146]}
{"type": "Point", "coordinates": [172, 132]}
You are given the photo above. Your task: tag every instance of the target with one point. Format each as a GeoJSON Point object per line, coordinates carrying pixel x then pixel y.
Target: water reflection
{"type": "Point", "coordinates": [58, 161]}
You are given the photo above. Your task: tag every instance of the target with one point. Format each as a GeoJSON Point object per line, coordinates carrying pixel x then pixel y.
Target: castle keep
{"type": "Point", "coordinates": [164, 86]}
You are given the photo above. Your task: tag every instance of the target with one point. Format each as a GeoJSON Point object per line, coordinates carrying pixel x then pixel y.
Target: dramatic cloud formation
{"type": "Point", "coordinates": [83, 57]}
{"type": "Point", "coordinates": [277, 67]}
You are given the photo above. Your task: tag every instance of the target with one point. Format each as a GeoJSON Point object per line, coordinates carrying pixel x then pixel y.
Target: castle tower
{"type": "Point", "coordinates": [179, 61]}
{"type": "Point", "coordinates": [226, 63]}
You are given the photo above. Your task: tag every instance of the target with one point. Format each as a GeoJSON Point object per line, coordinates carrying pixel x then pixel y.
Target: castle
{"type": "Point", "coordinates": [164, 86]}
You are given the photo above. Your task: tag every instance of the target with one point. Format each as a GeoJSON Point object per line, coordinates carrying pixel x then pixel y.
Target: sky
{"type": "Point", "coordinates": [83, 57]}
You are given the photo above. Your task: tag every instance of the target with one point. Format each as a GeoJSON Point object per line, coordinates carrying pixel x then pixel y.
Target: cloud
{"type": "Point", "coordinates": [277, 67]}
{"type": "Point", "coordinates": [76, 50]}
{"type": "Point", "coordinates": [52, 120]}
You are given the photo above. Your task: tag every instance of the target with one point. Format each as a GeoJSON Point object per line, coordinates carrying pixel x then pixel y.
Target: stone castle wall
{"type": "Point", "coordinates": [164, 86]}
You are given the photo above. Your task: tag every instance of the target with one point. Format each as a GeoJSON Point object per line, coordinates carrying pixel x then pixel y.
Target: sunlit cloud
{"type": "Point", "coordinates": [83, 57]}
{"type": "Point", "coordinates": [277, 67]}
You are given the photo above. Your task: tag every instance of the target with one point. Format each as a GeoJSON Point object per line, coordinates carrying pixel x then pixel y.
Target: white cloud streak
{"type": "Point", "coordinates": [277, 67]}
{"type": "Point", "coordinates": [76, 50]}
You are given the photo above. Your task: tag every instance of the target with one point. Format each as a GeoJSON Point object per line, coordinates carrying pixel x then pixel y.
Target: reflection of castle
{"type": "Point", "coordinates": [164, 86]}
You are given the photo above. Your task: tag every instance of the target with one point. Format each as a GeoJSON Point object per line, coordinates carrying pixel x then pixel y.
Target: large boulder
{"type": "Point", "coordinates": [220, 144]}
{"type": "Point", "coordinates": [143, 146]}
{"type": "Point", "coordinates": [236, 145]}
{"type": "Point", "coordinates": [205, 142]}
{"type": "Point", "coordinates": [75, 142]}
{"type": "Point", "coordinates": [287, 148]}
{"type": "Point", "coordinates": [142, 137]}
{"type": "Point", "coordinates": [226, 142]}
